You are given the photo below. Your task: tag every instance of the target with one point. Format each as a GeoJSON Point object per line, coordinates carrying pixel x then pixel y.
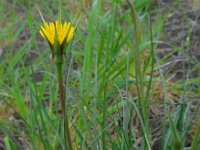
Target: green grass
{"type": "Point", "coordinates": [109, 71]}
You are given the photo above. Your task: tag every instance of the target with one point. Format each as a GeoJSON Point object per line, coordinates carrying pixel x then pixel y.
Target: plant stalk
{"type": "Point", "coordinates": [62, 100]}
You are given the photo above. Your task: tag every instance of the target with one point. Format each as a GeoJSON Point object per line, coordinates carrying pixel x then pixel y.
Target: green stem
{"type": "Point", "coordinates": [62, 99]}
{"type": "Point", "coordinates": [139, 76]}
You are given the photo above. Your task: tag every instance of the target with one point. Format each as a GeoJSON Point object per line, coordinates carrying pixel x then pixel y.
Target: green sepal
{"type": "Point", "coordinates": [57, 57]}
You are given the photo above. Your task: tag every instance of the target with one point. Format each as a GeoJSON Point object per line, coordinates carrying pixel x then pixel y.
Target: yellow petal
{"type": "Point", "coordinates": [48, 31]}
{"type": "Point", "coordinates": [70, 34]}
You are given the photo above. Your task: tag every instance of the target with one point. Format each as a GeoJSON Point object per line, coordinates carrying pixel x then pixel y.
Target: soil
{"type": "Point", "coordinates": [182, 30]}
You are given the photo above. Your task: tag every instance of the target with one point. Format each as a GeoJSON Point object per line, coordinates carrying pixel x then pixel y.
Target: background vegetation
{"type": "Point", "coordinates": [124, 90]}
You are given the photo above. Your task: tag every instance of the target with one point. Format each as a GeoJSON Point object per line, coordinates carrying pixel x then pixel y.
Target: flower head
{"type": "Point", "coordinates": [58, 36]}
{"type": "Point", "coordinates": [63, 32]}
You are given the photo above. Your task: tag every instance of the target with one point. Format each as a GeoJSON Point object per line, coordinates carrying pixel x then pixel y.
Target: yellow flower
{"type": "Point", "coordinates": [64, 32]}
